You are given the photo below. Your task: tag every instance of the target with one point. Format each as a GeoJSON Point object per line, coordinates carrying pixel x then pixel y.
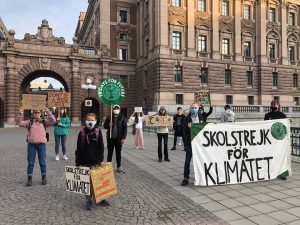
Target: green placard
{"type": "Point", "coordinates": [111, 91]}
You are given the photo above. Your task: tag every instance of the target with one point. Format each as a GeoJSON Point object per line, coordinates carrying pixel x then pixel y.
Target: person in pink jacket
{"type": "Point", "coordinates": [36, 139]}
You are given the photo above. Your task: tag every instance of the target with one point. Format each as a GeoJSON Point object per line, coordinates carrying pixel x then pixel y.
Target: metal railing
{"type": "Point", "coordinates": [295, 141]}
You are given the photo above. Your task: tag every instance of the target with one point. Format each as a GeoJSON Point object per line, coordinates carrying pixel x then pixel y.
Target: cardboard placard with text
{"type": "Point", "coordinates": [31, 101]}
{"type": "Point", "coordinates": [138, 109]}
{"type": "Point", "coordinates": [202, 97]}
{"type": "Point", "coordinates": [103, 182]}
{"type": "Point", "coordinates": [159, 121]}
{"type": "Point", "coordinates": [59, 99]}
{"type": "Point", "coordinates": [78, 179]}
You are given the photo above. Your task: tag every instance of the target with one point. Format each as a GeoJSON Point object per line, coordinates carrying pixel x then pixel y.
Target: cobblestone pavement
{"type": "Point", "coordinates": [142, 198]}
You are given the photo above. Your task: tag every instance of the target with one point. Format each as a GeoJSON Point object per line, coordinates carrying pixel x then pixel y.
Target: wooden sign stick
{"type": "Point", "coordinates": [110, 129]}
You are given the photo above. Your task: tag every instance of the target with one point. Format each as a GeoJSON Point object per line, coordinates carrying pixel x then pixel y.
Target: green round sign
{"type": "Point", "coordinates": [111, 91]}
{"type": "Point", "coordinates": [278, 131]}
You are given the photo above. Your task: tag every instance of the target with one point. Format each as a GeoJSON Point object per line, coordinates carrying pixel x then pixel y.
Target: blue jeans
{"type": "Point", "coordinates": [41, 150]}
{"type": "Point", "coordinates": [63, 139]}
{"type": "Point", "coordinates": [188, 158]}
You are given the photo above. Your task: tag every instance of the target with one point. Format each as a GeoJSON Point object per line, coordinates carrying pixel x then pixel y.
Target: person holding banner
{"type": "Point", "coordinates": [61, 130]}
{"type": "Point", "coordinates": [90, 150]}
{"type": "Point", "coordinates": [162, 133]}
{"type": "Point", "coordinates": [274, 115]}
{"type": "Point", "coordinates": [118, 125]}
{"type": "Point", "coordinates": [138, 118]}
{"type": "Point", "coordinates": [36, 139]}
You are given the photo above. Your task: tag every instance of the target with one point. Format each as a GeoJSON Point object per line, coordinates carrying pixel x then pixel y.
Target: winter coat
{"type": "Point", "coordinates": [62, 129]}
{"type": "Point", "coordinates": [121, 126]}
{"type": "Point", "coordinates": [178, 127]}
{"type": "Point", "coordinates": [274, 115]}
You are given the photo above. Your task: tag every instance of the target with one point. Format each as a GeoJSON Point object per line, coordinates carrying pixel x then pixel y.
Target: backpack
{"type": "Point", "coordinates": [83, 135]}
{"type": "Point", "coordinates": [44, 124]}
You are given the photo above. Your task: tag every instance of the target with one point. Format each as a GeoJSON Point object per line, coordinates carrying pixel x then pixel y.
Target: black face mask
{"type": "Point", "coordinates": [274, 109]}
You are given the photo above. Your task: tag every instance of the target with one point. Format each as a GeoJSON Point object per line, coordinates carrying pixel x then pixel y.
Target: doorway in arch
{"type": "Point", "coordinates": [95, 108]}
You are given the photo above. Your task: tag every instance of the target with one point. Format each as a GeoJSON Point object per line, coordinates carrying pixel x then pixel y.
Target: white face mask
{"type": "Point", "coordinates": [90, 123]}
{"type": "Point", "coordinates": [62, 111]}
{"type": "Point", "coordinates": [117, 111]}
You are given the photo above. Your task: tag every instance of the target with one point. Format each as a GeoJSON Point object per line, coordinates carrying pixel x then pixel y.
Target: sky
{"type": "Point", "coordinates": [24, 16]}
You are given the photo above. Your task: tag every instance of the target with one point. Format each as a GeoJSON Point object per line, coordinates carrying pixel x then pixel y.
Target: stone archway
{"type": "Point", "coordinates": [95, 108]}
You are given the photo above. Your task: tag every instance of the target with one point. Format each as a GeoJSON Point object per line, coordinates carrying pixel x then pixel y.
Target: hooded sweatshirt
{"type": "Point", "coordinates": [228, 116]}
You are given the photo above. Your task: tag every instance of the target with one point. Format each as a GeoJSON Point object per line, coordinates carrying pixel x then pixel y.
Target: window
{"type": "Point", "coordinates": [176, 40]}
{"type": "Point", "coordinates": [123, 37]}
{"type": "Point", "coordinates": [292, 53]}
{"type": "Point", "coordinates": [202, 42]}
{"type": "Point", "coordinates": [271, 51]}
{"type": "Point", "coordinates": [296, 100]}
{"type": "Point", "coordinates": [249, 78]}
{"type": "Point", "coordinates": [123, 54]}
{"type": "Point", "coordinates": [247, 49]}
{"type": "Point", "coordinates": [202, 5]}
{"type": "Point", "coordinates": [295, 80]}
{"type": "Point", "coordinates": [179, 99]}
{"type": "Point", "coordinates": [123, 16]}
{"type": "Point", "coordinates": [292, 19]}
{"type": "Point", "coordinates": [247, 12]}
{"type": "Point", "coordinates": [124, 80]}
{"type": "Point", "coordinates": [229, 99]}
{"type": "Point", "coordinates": [272, 15]}
{"type": "Point", "coordinates": [276, 98]}
{"type": "Point", "coordinates": [225, 7]}
{"type": "Point", "coordinates": [227, 76]}
{"type": "Point", "coordinates": [250, 100]}
{"type": "Point", "coordinates": [178, 74]}
{"type": "Point", "coordinates": [176, 3]}
{"type": "Point", "coordinates": [275, 79]}
{"type": "Point", "coordinates": [225, 47]}
{"type": "Point", "coordinates": [204, 75]}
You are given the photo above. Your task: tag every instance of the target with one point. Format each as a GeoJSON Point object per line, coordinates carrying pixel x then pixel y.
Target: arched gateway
{"type": "Point", "coordinates": [44, 55]}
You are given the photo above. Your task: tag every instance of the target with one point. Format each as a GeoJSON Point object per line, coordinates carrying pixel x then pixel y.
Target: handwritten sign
{"type": "Point", "coordinates": [103, 182]}
{"type": "Point", "coordinates": [30, 101]}
{"type": "Point", "coordinates": [159, 121]}
{"type": "Point", "coordinates": [138, 109]}
{"type": "Point", "coordinates": [202, 97]}
{"type": "Point", "coordinates": [59, 99]}
{"type": "Point", "coordinates": [78, 179]}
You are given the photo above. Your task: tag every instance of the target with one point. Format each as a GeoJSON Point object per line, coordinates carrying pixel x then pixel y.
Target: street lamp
{"type": "Point", "coordinates": [88, 86]}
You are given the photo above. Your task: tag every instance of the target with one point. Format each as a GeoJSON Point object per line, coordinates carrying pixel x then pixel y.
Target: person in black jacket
{"type": "Point", "coordinates": [90, 150]}
{"type": "Point", "coordinates": [118, 135]}
{"type": "Point", "coordinates": [177, 126]}
{"type": "Point", "coordinates": [196, 115]}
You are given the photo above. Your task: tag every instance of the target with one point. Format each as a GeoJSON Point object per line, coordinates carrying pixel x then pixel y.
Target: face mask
{"type": "Point", "coordinates": [194, 111]}
{"type": "Point", "coordinates": [116, 111]}
{"type": "Point", "coordinates": [90, 124]}
{"type": "Point", "coordinates": [200, 111]}
{"type": "Point", "coordinates": [62, 112]}
{"type": "Point", "coordinates": [273, 109]}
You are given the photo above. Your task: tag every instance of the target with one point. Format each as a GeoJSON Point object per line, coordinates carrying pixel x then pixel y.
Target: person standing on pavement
{"type": "Point", "coordinates": [61, 130]}
{"type": "Point", "coordinates": [193, 117]}
{"type": "Point", "coordinates": [228, 115]}
{"type": "Point", "coordinates": [36, 139]}
{"type": "Point", "coordinates": [274, 115]}
{"type": "Point", "coordinates": [118, 135]}
{"type": "Point", "coordinates": [177, 126]}
{"type": "Point", "coordinates": [90, 150]}
{"type": "Point", "coordinates": [138, 118]}
{"type": "Point", "coordinates": [162, 134]}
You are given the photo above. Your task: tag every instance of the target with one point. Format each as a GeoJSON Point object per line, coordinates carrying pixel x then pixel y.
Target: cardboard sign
{"type": "Point", "coordinates": [59, 99]}
{"type": "Point", "coordinates": [30, 101]}
{"type": "Point", "coordinates": [103, 182]}
{"type": "Point", "coordinates": [88, 103]}
{"type": "Point", "coordinates": [159, 121]}
{"type": "Point", "coordinates": [78, 179]}
{"type": "Point", "coordinates": [138, 109]}
{"type": "Point", "coordinates": [202, 97]}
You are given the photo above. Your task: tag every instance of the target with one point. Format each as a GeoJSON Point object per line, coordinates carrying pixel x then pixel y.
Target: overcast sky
{"type": "Point", "coordinates": [24, 16]}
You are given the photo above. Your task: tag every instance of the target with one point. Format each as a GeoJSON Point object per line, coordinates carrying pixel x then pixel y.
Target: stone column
{"type": "Point", "coordinates": [238, 30]}
{"type": "Point", "coordinates": [141, 28]}
{"type": "Point", "coordinates": [75, 94]}
{"type": "Point", "coordinates": [215, 30]}
{"type": "Point", "coordinates": [284, 46]}
{"type": "Point", "coordinates": [104, 25]}
{"type": "Point", "coordinates": [191, 29]}
{"type": "Point", "coordinates": [11, 106]}
{"type": "Point", "coordinates": [163, 24]}
{"type": "Point", "coordinates": [261, 32]}
{"type": "Point", "coordinates": [105, 109]}
{"type": "Point", "coordinates": [151, 41]}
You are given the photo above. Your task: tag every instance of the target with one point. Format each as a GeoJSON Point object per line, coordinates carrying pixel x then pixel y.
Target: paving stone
{"type": "Point", "coordinates": [264, 220]}
{"type": "Point", "coordinates": [246, 211]}
{"type": "Point", "coordinates": [283, 217]}
{"type": "Point", "coordinates": [263, 207]}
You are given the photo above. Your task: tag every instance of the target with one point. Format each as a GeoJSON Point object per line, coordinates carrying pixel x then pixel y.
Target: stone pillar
{"type": "Point", "coordinates": [284, 46]}
{"type": "Point", "coordinates": [141, 28]}
{"type": "Point", "coordinates": [215, 30]}
{"type": "Point", "coordinates": [163, 24]}
{"type": "Point", "coordinates": [151, 41]}
{"type": "Point", "coordinates": [261, 32]}
{"type": "Point", "coordinates": [238, 30]}
{"type": "Point", "coordinates": [104, 25]}
{"type": "Point", "coordinates": [105, 109]}
{"type": "Point", "coordinates": [75, 94]}
{"type": "Point", "coordinates": [191, 29]}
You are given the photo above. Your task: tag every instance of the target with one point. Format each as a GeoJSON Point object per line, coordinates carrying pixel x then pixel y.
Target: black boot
{"type": "Point", "coordinates": [44, 180]}
{"type": "Point", "coordinates": [29, 181]}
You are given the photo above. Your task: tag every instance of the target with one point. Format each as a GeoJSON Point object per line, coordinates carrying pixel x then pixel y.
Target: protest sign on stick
{"type": "Point", "coordinates": [31, 101]}
{"type": "Point", "coordinates": [59, 99]}
{"type": "Point", "coordinates": [78, 179]}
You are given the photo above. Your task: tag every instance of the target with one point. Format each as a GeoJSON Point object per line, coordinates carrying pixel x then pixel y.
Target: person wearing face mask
{"type": "Point", "coordinates": [61, 130]}
{"type": "Point", "coordinates": [203, 115]}
{"type": "Point", "coordinates": [118, 135]}
{"type": "Point", "coordinates": [90, 150]}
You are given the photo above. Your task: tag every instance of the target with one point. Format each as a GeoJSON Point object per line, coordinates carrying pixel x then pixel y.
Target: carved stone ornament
{"type": "Point", "coordinates": [124, 29]}
{"type": "Point", "coordinates": [293, 30]}
{"type": "Point", "coordinates": [45, 63]}
{"type": "Point", "coordinates": [178, 12]}
{"type": "Point", "coordinates": [75, 46]}
{"type": "Point", "coordinates": [11, 38]}
{"type": "Point", "coordinates": [44, 36]}
{"type": "Point", "coordinates": [105, 51]}
{"type": "Point", "coordinates": [273, 26]}
{"type": "Point", "coordinates": [248, 25]}
{"type": "Point", "coordinates": [226, 19]}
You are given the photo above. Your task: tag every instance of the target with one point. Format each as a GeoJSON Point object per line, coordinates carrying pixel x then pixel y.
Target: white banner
{"type": "Point", "coordinates": [230, 153]}
{"type": "Point", "coordinates": [78, 179]}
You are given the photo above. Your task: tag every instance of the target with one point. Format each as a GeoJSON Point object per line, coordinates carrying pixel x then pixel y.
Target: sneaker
{"type": "Point", "coordinates": [174, 148]}
{"type": "Point", "coordinates": [65, 157]}
{"type": "Point", "coordinates": [144, 148]}
{"type": "Point", "coordinates": [88, 203]}
{"type": "Point", "coordinates": [44, 180]}
{"type": "Point", "coordinates": [120, 170]}
{"type": "Point", "coordinates": [185, 182]}
{"type": "Point", "coordinates": [137, 148]}
{"type": "Point", "coordinates": [179, 143]}
{"type": "Point", "coordinates": [167, 160]}
{"type": "Point", "coordinates": [29, 181]}
{"type": "Point", "coordinates": [104, 202]}
{"type": "Point", "coordinates": [57, 157]}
